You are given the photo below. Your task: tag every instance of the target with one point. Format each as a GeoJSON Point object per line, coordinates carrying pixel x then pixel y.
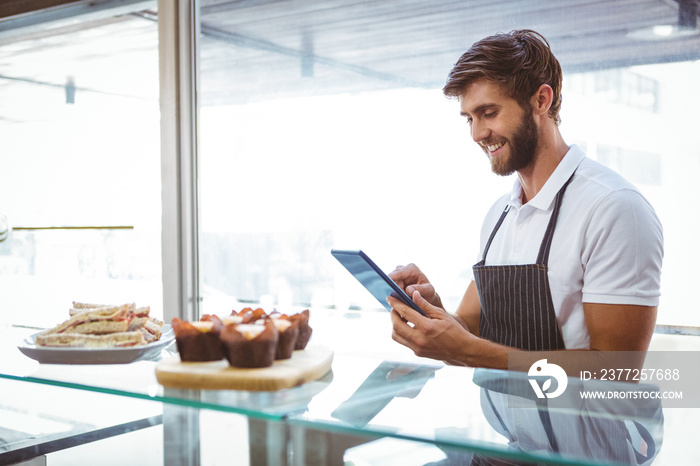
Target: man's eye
{"type": "Point", "coordinates": [490, 115]}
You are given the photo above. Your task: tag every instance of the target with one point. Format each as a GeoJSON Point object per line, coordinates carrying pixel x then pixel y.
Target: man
{"type": "Point", "coordinates": [570, 260]}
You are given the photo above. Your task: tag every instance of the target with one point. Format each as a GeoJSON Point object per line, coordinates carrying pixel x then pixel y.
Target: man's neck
{"type": "Point", "coordinates": [533, 177]}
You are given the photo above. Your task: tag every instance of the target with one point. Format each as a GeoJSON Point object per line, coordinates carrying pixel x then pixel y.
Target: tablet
{"type": "Point", "coordinates": [372, 278]}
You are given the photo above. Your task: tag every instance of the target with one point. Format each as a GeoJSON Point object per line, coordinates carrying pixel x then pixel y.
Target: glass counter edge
{"type": "Point", "coordinates": [264, 415]}
{"type": "Point", "coordinates": [295, 419]}
{"type": "Point", "coordinates": [499, 451]}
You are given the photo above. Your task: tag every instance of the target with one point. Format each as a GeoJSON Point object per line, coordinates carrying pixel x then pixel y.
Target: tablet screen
{"type": "Point", "coordinates": [372, 278]}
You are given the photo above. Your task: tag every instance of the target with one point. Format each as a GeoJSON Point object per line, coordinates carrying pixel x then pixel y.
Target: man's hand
{"type": "Point", "coordinates": [613, 329]}
{"type": "Point", "coordinates": [411, 279]}
{"type": "Point", "coordinates": [438, 336]}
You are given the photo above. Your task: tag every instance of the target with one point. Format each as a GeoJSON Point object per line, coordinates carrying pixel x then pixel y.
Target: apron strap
{"type": "Point", "coordinates": [543, 256]}
{"type": "Point", "coordinates": [546, 245]}
{"type": "Point", "coordinates": [493, 233]}
{"type": "Point", "coordinates": [543, 411]}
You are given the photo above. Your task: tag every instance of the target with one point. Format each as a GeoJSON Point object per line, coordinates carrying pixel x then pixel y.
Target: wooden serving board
{"type": "Point", "coordinates": [305, 365]}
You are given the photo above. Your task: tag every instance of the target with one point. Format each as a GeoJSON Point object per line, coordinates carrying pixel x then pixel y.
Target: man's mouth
{"type": "Point", "coordinates": [493, 147]}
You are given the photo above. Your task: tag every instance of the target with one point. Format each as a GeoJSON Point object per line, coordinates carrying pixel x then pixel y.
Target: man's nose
{"type": "Point", "coordinates": [479, 131]}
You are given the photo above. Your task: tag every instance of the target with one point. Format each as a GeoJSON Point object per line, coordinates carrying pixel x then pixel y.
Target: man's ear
{"type": "Point", "coordinates": [542, 99]}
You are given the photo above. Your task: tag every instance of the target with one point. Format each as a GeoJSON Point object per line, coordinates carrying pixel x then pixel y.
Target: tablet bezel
{"type": "Point", "coordinates": [397, 292]}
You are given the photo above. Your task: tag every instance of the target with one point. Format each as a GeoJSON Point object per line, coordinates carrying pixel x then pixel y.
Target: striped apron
{"type": "Point", "coordinates": [516, 302]}
{"type": "Point", "coordinates": [517, 311]}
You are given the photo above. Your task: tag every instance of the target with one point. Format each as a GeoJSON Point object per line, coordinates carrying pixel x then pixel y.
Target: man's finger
{"type": "Point", "coordinates": [405, 312]}
{"type": "Point", "coordinates": [401, 328]}
{"type": "Point", "coordinates": [429, 309]}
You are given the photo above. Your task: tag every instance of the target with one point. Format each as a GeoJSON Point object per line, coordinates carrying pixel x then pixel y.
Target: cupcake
{"type": "Point", "coordinates": [249, 314]}
{"type": "Point", "coordinates": [304, 329]}
{"type": "Point", "coordinates": [233, 319]}
{"type": "Point", "coordinates": [288, 332]}
{"type": "Point", "coordinates": [250, 345]}
{"type": "Point", "coordinates": [198, 341]}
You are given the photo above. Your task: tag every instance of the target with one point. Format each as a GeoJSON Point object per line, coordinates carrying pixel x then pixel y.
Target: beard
{"type": "Point", "coordinates": [523, 145]}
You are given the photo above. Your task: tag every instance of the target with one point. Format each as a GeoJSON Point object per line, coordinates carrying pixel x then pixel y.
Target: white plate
{"type": "Point", "coordinates": [57, 355]}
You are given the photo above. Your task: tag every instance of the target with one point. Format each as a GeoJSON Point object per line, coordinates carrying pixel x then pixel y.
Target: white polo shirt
{"type": "Point", "coordinates": [607, 246]}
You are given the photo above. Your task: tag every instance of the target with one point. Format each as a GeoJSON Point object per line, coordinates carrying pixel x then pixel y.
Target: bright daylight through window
{"type": "Point", "coordinates": [79, 166]}
{"type": "Point", "coordinates": [325, 127]}
{"type": "Point", "coordinates": [321, 126]}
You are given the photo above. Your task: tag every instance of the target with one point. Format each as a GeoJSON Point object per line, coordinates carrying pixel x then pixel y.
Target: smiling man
{"type": "Point", "coordinates": [570, 259]}
{"type": "Point", "coordinates": [491, 103]}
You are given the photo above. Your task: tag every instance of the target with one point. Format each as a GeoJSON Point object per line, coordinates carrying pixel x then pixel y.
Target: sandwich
{"type": "Point", "coordinates": [141, 320]}
{"type": "Point", "coordinates": [97, 321]}
{"type": "Point", "coordinates": [109, 340]}
{"type": "Point", "coordinates": [150, 327]}
{"type": "Point", "coordinates": [79, 307]}
{"type": "Point", "coordinates": [103, 325]}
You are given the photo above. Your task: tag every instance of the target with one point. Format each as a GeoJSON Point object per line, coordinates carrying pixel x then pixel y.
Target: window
{"type": "Point", "coordinates": [80, 176]}
{"type": "Point", "coordinates": [623, 86]}
{"type": "Point", "coordinates": [325, 126]}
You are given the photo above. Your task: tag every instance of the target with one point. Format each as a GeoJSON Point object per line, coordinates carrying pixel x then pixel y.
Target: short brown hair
{"type": "Point", "coordinates": [520, 61]}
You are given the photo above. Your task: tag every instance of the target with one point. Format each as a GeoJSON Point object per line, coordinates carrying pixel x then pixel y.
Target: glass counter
{"type": "Point", "coordinates": [377, 400]}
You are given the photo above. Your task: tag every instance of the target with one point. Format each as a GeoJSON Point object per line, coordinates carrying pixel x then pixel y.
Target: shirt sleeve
{"type": "Point", "coordinates": [623, 252]}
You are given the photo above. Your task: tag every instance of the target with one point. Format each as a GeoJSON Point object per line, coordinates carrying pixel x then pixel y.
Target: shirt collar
{"type": "Point", "coordinates": [544, 199]}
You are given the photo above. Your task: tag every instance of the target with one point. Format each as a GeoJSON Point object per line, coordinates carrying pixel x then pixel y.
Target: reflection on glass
{"type": "Point", "coordinates": [619, 431]}
{"type": "Point", "coordinates": [388, 381]}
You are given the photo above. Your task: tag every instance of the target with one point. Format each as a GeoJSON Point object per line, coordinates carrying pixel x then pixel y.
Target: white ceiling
{"type": "Point", "coordinates": [254, 49]}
